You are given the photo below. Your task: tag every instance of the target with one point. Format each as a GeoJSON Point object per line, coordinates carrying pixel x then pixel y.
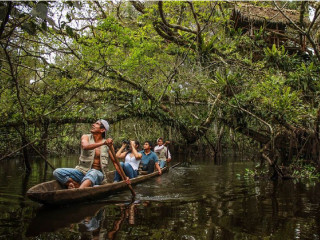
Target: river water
{"type": "Point", "coordinates": [195, 201]}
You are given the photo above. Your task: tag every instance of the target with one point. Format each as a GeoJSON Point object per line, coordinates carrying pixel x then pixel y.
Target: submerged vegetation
{"type": "Point", "coordinates": [193, 72]}
{"type": "Point", "coordinates": [296, 170]}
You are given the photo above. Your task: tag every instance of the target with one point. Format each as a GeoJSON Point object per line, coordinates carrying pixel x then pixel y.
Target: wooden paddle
{"type": "Point", "coordinates": [117, 165]}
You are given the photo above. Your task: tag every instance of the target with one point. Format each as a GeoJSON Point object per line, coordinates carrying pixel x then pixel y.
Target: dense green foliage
{"type": "Point", "coordinates": [177, 69]}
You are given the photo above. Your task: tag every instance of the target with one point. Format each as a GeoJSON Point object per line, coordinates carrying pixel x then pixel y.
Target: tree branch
{"type": "Point", "coordinates": [6, 19]}
{"type": "Point", "coordinates": [198, 32]}
{"type": "Point", "coordinates": [138, 6]}
{"type": "Point", "coordinates": [15, 80]}
{"type": "Point", "coordinates": [160, 5]}
{"type": "Point", "coordinates": [307, 34]}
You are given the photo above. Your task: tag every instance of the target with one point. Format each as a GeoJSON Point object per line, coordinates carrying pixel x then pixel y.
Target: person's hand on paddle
{"type": "Point", "coordinates": [168, 160]}
{"type": "Point", "coordinates": [167, 143]}
{"type": "Point", "coordinates": [159, 171]}
{"type": "Point", "coordinates": [128, 181]}
{"type": "Point", "coordinates": [108, 142]}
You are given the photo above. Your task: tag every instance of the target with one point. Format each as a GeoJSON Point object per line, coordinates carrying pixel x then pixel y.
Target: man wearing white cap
{"type": "Point", "coordinates": [162, 152]}
{"type": "Point", "coordinates": [93, 160]}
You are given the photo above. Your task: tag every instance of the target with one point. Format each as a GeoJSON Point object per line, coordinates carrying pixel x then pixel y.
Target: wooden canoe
{"type": "Point", "coordinates": [53, 193]}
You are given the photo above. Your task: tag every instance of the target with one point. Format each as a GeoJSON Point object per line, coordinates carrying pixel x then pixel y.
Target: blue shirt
{"type": "Point", "coordinates": [146, 158]}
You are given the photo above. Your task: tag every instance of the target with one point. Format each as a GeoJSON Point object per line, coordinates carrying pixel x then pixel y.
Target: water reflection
{"type": "Point", "coordinates": [127, 212]}
{"type": "Point", "coordinates": [197, 201]}
{"type": "Point", "coordinates": [91, 221]}
{"type": "Point", "coordinates": [53, 219]}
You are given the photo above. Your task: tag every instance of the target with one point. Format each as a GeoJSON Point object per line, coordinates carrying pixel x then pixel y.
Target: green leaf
{"type": "Point", "coordinates": [51, 22]}
{"type": "Point", "coordinates": [30, 27]}
{"type": "Point", "coordinates": [44, 26]}
{"type": "Point", "coordinates": [77, 4]}
{"type": "Point", "coordinates": [69, 31]}
{"type": "Point", "coordinates": [40, 10]}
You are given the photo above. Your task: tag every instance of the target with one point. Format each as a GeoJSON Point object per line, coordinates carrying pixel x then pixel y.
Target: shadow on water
{"type": "Point", "coordinates": [85, 219]}
{"type": "Point", "coordinates": [52, 219]}
{"type": "Point", "coordinates": [197, 200]}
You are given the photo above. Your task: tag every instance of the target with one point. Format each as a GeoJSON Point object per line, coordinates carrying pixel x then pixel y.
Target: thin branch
{"type": "Point", "coordinates": [15, 80]}
{"type": "Point", "coordinates": [244, 110]}
{"type": "Point", "coordinates": [17, 150]}
{"type": "Point", "coordinates": [138, 6]}
{"type": "Point", "coordinates": [210, 118]}
{"type": "Point", "coordinates": [70, 98]}
{"type": "Point", "coordinates": [195, 17]}
{"type": "Point", "coordinates": [160, 5]}
{"type": "Point", "coordinates": [173, 73]}
{"type": "Point", "coordinates": [289, 19]}
{"type": "Point", "coordinates": [43, 157]}
{"type": "Point", "coordinates": [103, 14]}
{"type": "Point", "coordinates": [315, 17]}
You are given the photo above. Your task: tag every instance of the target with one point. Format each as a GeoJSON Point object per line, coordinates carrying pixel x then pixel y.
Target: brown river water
{"type": "Point", "coordinates": [199, 200]}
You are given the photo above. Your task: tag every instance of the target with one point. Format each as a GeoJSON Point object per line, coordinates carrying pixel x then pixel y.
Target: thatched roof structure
{"type": "Point", "coordinates": [257, 14]}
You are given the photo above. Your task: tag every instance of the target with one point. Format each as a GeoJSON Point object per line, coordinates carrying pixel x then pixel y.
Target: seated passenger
{"type": "Point", "coordinates": [131, 160]}
{"type": "Point", "coordinates": [162, 152]}
{"type": "Point", "coordinates": [149, 159]}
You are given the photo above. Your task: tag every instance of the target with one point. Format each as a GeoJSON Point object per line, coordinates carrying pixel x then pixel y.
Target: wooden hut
{"type": "Point", "coordinates": [252, 18]}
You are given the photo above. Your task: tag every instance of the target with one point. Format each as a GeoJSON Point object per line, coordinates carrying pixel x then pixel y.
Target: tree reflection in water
{"type": "Point", "coordinates": [198, 201]}
{"type": "Point", "coordinates": [127, 212]}
{"type": "Point", "coordinates": [85, 221]}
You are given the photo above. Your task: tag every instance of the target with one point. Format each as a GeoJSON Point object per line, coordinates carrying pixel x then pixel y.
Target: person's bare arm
{"type": "Point", "coordinates": [158, 148]}
{"type": "Point", "coordinates": [121, 154]}
{"type": "Point", "coordinates": [158, 168]}
{"type": "Point", "coordinates": [85, 145]}
{"type": "Point", "coordinates": [157, 165]}
{"type": "Point", "coordinates": [136, 154]}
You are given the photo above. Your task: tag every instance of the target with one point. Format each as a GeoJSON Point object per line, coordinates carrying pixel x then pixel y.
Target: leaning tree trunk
{"type": "Point", "coordinates": [25, 155]}
{"type": "Point", "coordinates": [44, 139]}
{"type": "Point", "coordinates": [24, 150]}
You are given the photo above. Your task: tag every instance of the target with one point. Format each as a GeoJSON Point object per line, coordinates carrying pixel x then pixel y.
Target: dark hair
{"type": "Point", "coordinates": [137, 143]}
{"type": "Point", "coordinates": [149, 142]}
{"type": "Point", "coordinates": [104, 133]}
{"type": "Point", "coordinates": [160, 138]}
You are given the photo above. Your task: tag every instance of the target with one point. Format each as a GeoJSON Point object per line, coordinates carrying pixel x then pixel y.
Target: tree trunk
{"type": "Point", "coordinates": [43, 146]}
{"type": "Point", "coordinates": [26, 156]}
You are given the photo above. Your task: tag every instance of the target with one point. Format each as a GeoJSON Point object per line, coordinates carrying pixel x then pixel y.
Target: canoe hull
{"type": "Point", "coordinates": [53, 193]}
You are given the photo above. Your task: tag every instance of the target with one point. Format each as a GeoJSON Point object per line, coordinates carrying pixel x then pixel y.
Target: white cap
{"type": "Point", "coordinates": [105, 124]}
